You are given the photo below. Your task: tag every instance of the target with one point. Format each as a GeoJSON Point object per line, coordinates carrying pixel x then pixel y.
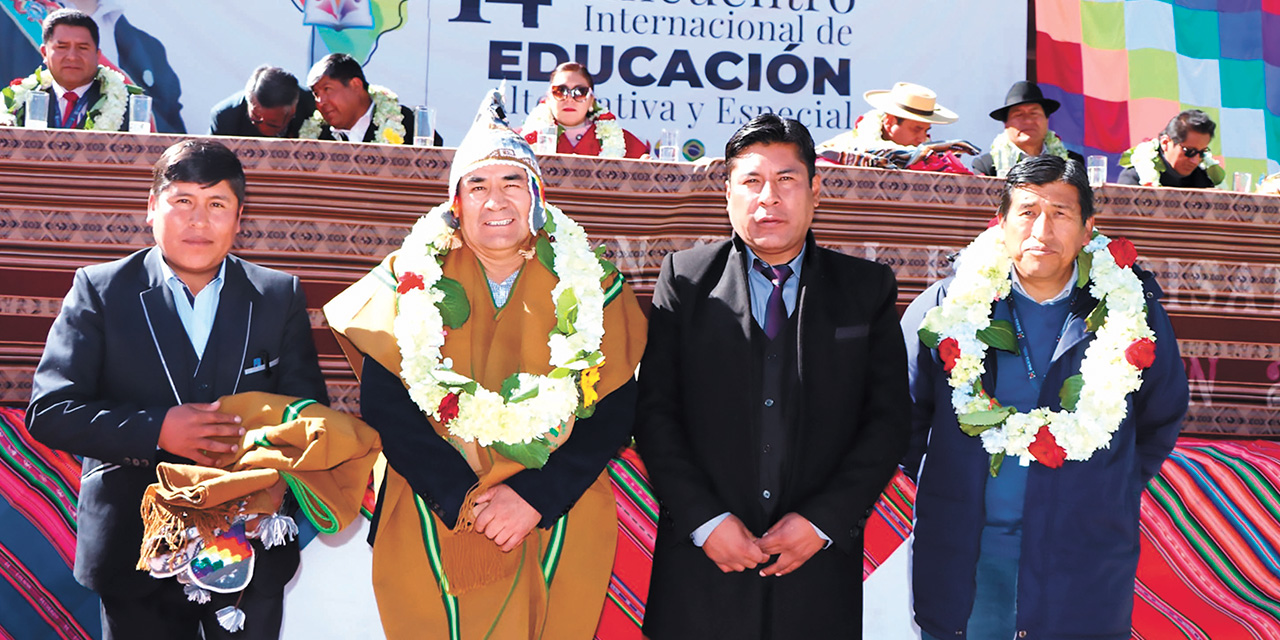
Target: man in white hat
{"type": "Point", "coordinates": [896, 131]}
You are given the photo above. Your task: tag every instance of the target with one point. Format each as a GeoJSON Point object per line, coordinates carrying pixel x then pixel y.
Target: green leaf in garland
{"type": "Point", "coordinates": [532, 455]}
{"type": "Point", "coordinates": [609, 269]}
{"type": "Point", "coordinates": [566, 311]}
{"type": "Point", "coordinates": [1084, 262]}
{"type": "Point", "coordinates": [546, 255]}
{"type": "Point", "coordinates": [975, 422]}
{"type": "Point", "coordinates": [585, 412]}
{"type": "Point", "coordinates": [997, 460]}
{"type": "Point", "coordinates": [929, 338]}
{"type": "Point", "coordinates": [1070, 392]}
{"type": "Point", "coordinates": [454, 309]}
{"type": "Point", "coordinates": [512, 390]}
{"type": "Point", "coordinates": [1000, 335]}
{"type": "Point", "coordinates": [550, 225]}
{"type": "Point", "coordinates": [1096, 317]}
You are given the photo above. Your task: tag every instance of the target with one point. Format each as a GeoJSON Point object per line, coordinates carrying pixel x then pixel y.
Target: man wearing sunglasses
{"type": "Point", "coordinates": [1181, 156]}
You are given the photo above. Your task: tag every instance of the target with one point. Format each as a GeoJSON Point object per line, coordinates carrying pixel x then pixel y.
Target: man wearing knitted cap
{"type": "Point", "coordinates": [495, 354]}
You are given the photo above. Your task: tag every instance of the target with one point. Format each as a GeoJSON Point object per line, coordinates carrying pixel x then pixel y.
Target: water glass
{"type": "Point", "coordinates": [1097, 170]}
{"type": "Point", "coordinates": [424, 127]}
{"type": "Point", "coordinates": [548, 140]}
{"type": "Point", "coordinates": [668, 145]}
{"type": "Point", "coordinates": [37, 110]}
{"type": "Point", "coordinates": [139, 114]}
{"type": "Point", "coordinates": [1243, 182]}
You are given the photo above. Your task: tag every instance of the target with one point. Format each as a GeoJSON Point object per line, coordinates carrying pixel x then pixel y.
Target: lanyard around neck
{"type": "Point", "coordinates": [1024, 345]}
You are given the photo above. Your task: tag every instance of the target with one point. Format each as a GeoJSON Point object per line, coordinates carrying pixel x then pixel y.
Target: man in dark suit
{"type": "Point", "coordinates": [773, 406]}
{"type": "Point", "coordinates": [350, 106]}
{"type": "Point", "coordinates": [136, 359]}
{"type": "Point", "coordinates": [138, 54]}
{"type": "Point", "coordinates": [270, 106]}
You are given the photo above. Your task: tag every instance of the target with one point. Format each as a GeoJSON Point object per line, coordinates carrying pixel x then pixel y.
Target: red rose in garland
{"type": "Point", "coordinates": [448, 408]}
{"type": "Point", "coordinates": [1045, 449]}
{"type": "Point", "coordinates": [1123, 251]}
{"type": "Point", "coordinates": [408, 282]}
{"type": "Point", "coordinates": [1141, 353]}
{"type": "Point", "coordinates": [949, 351]}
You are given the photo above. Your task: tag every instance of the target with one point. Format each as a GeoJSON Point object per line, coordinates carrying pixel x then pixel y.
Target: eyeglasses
{"type": "Point", "coordinates": [564, 92]}
{"type": "Point", "coordinates": [1192, 152]}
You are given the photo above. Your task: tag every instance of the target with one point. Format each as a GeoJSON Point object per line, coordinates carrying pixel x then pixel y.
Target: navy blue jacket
{"type": "Point", "coordinates": [1080, 522]}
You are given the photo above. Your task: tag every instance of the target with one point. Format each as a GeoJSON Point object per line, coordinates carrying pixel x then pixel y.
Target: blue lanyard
{"type": "Point", "coordinates": [1023, 344]}
{"type": "Point", "coordinates": [82, 105]}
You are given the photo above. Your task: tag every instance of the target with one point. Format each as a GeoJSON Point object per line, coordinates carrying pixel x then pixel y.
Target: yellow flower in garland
{"type": "Point", "coordinates": [392, 136]}
{"type": "Point", "coordinates": [590, 376]}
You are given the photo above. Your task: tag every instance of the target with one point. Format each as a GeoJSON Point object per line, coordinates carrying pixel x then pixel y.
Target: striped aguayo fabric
{"type": "Point", "coordinates": [1210, 566]}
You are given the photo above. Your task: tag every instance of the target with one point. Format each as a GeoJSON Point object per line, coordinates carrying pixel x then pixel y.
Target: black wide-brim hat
{"type": "Point", "coordinates": [1023, 92]}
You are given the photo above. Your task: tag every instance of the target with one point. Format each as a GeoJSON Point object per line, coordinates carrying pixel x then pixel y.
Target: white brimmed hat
{"type": "Point", "coordinates": [911, 101]}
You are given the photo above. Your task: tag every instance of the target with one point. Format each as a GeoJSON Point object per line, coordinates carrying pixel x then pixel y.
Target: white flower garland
{"type": "Point", "coordinates": [1005, 154]}
{"type": "Point", "coordinates": [484, 416]}
{"type": "Point", "coordinates": [983, 277]}
{"type": "Point", "coordinates": [613, 143]}
{"type": "Point", "coordinates": [388, 120]}
{"type": "Point", "coordinates": [107, 114]}
{"type": "Point", "coordinates": [1145, 159]}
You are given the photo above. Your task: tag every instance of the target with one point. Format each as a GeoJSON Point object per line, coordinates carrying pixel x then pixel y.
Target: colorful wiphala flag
{"type": "Point", "coordinates": [1122, 70]}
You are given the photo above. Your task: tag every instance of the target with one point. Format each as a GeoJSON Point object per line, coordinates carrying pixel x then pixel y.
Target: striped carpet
{"type": "Point", "coordinates": [1210, 566]}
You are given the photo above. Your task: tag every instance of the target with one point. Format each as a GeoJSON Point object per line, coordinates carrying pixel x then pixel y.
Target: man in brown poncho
{"type": "Point", "coordinates": [495, 517]}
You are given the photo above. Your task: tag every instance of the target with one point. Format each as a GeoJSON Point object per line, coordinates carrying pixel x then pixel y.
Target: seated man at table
{"type": "Point", "coordinates": [82, 93]}
{"type": "Point", "coordinates": [896, 133]}
{"type": "Point", "coordinates": [1025, 115]}
{"type": "Point", "coordinates": [349, 109]}
{"type": "Point", "coordinates": [270, 106]}
{"type": "Point", "coordinates": [1178, 157]}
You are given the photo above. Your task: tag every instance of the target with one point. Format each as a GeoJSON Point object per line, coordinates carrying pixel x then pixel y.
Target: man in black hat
{"type": "Point", "coordinates": [1025, 115]}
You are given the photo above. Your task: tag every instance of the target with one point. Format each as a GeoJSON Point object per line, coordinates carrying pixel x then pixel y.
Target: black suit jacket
{"type": "Point", "coordinates": [326, 132]}
{"type": "Point", "coordinates": [698, 429]}
{"type": "Point", "coordinates": [109, 374]}
{"type": "Point", "coordinates": [984, 165]}
{"type": "Point", "coordinates": [231, 117]}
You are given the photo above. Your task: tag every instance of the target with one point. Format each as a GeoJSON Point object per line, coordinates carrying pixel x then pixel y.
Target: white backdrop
{"type": "Point", "coordinates": [702, 66]}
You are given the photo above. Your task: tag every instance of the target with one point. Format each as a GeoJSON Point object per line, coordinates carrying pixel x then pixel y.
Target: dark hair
{"type": "Point", "coordinates": [574, 67]}
{"type": "Point", "coordinates": [337, 66]}
{"type": "Point", "coordinates": [70, 18]}
{"type": "Point", "coordinates": [1189, 120]}
{"type": "Point", "coordinates": [768, 128]}
{"type": "Point", "coordinates": [203, 162]}
{"type": "Point", "coordinates": [272, 87]}
{"type": "Point", "coordinates": [1045, 169]}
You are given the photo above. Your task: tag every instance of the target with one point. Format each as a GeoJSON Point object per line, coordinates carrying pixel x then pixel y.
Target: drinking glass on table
{"type": "Point", "coordinates": [1243, 182]}
{"type": "Point", "coordinates": [1097, 170]}
{"type": "Point", "coordinates": [424, 127]}
{"type": "Point", "coordinates": [139, 114]}
{"type": "Point", "coordinates": [548, 139]}
{"type": "Point", "coordinates": [668, 143]}
{"type": "Point", "coordinates": [37, 110]}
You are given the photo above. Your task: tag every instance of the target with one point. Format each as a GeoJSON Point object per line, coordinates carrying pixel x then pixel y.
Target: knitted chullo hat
{"type": "Point", "coordinates": [491, 141]}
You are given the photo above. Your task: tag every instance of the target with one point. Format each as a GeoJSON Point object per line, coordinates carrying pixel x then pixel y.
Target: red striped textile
{"type": "Point", "coordinates": [1210, 564]}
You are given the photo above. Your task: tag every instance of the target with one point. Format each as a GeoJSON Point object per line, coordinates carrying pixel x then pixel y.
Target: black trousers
{"type": "Point", "coordinates": [167, 613]}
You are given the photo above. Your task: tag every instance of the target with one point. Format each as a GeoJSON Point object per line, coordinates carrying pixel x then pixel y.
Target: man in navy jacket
{"type": "Point", "coordinates": [1047, 549]}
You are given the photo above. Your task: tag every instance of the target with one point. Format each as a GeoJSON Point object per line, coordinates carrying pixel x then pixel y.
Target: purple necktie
{"type": "Point", "coordinates": [775, 310]}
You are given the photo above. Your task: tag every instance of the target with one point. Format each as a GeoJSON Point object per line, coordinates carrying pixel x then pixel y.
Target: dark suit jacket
{"type": "Point", "coordinates": [231, 117]}
{"type": "Point", "coordinates": [110, 372]}
{"type": "Point", "coordinates": [698, 429]}
{"type": "Point", "coordinates": [1197, 179]}
{"type": "Point", "coordinates": [326, 132]}
{"type": "Point", "coordinates": [983, 165]}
